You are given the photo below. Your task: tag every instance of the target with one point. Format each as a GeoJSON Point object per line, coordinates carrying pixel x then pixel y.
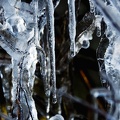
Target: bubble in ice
{"type": "Point", "coordinates": [72, 26]}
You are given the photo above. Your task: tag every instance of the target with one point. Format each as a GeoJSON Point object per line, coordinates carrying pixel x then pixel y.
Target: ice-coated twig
{"type": "Point", "coordinates": [86, 104]}
{"type": "Point", "coordinates": [51, 39]}
{"type": "Point", "coordinates": [72, 26]}
{"type": "Point", "coordinates": [99, 92]}
{"type": "Point", "coordinates": [40, 51]}
{"type": "Point", "coordinates": [84, 37]}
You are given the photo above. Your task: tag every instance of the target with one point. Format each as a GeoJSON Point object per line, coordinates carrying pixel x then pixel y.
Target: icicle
{"type": "Point", "coordinates": [72, 26]}
{"type": "Point", "coordinates": [99, 92]}
{"type": "Point", "coordinates": [51, 39]}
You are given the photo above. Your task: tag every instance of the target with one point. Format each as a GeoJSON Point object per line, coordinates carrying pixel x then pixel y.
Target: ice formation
{"type": "Point", "coordinates": [109, 12]}
{"type": "Point", "coordinates": [15, 37]}
{"type": "Point", "coordinates": [84, 37]}
{"type": "Point", "coordinates": [72, 26]}
{"type": "Point", "coordinates": [51, 39]}
{"type": "Point", "coordinates": [21, 25]}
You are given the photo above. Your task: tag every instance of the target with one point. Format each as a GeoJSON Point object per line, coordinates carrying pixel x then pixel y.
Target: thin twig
{"type": "Point", "coordinates": [86, 104]}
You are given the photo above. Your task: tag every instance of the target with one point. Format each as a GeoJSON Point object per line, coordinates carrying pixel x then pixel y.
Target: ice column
{"type": "Point", "coordinates": [51, 40]}
{"type": "Point", "coordinates": [72, 26]}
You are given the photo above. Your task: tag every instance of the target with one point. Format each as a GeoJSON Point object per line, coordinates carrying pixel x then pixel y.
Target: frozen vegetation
{"type": "Point", "coordinates": [22, 26]}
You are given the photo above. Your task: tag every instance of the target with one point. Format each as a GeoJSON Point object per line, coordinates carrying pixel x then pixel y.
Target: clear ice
{"type": "Point", "coordinates": [72, 26]}
{"type": "Point", "coordinates": [51, 40]}
{"type": "Point", "coordinates": [21, 28]}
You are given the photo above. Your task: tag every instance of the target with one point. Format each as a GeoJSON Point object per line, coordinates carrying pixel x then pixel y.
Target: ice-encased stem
{"type": "Point", "coordinates": [51, 40]}
{"type": "Point", "coordinates": [72, 26]}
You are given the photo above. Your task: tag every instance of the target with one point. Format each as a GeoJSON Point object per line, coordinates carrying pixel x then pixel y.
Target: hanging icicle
{"type": "Point", "coordinates": [72, 26]}
{"type": "Point", "coordinates": [51, 40]}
